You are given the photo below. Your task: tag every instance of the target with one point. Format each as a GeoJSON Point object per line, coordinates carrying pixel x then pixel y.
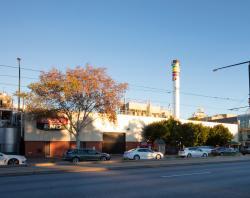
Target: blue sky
{"type": "Point", "coordinates": [136, 40]}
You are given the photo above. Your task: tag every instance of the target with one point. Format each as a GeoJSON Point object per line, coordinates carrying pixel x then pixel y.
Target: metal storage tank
{"type": "Point", "coordinates": [9, 140]}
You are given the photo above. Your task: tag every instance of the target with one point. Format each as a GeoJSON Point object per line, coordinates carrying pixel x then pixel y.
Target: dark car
{"type": "Point", "coordinates": [76, 155]}
{"type": "Point", "coordinates": [245, 150]}
{"type": "Point", "coordinates": [223, 151]}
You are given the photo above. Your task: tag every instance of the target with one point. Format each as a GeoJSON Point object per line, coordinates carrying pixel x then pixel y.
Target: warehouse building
{"type": "Point", "coordinates": [45, 138]}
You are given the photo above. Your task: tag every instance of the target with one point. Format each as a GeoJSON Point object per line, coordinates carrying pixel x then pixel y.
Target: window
{"type": "Point", "coordinates": [142, 150]}
{"type": "Point", "coordinates": [83, 151]}
{"type": "Point", "coordinates": [92, 152]}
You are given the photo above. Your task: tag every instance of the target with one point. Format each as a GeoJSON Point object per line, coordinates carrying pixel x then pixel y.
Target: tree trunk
{"type": "Point", "coordinates": [78, 142]}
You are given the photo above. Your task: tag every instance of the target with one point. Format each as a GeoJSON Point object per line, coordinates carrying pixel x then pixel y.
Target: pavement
{"type": "Point", "coordinates": [52, 166]}
{"type": "Point", "coordinates": [204, 180]}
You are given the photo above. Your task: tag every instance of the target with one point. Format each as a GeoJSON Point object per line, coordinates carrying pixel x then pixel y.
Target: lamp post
{"type": "Point", "coordinates": [248, 75]}
{"type": "Point", "coordinates": [19, 81]}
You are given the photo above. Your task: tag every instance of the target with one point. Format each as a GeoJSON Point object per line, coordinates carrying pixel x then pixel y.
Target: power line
{"type": "Point", "coordinates": [12, 76]}
{"type": "Point", "coordinates": [12, 85]}
{"type": "Point", "coordinates": [141, 88]}
{"type": "Point", "coordinates": [23, 68]}
{"type": "Point", "coordinates": [164, 102]}
{"type": "Point", "coordinates": [157, 90]}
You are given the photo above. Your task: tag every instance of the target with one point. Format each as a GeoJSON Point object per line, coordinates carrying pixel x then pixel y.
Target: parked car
{"type": "Point", "coordinates": [223, 151]}
{"type": "Point", "coordinates": [76, 155]}
{"type": "Point", "coordinates": [208, 149]}
{"type": "Point", "coordinates": [192, 152]}
{"type": "Point", "coordinates": [142, 153]}
{"type": "Point", "coordinates": [245, 150]}
{"type": "Point", "coordinates": [12, 159]}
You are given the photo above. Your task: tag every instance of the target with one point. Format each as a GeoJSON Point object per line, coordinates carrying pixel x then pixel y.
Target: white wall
{"type": "Point", "coordinates": [131, 125]}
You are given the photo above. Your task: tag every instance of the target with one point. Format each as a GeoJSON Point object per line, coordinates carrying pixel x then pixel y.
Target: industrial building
{"type": "Point", "coordinates": [102, 135]}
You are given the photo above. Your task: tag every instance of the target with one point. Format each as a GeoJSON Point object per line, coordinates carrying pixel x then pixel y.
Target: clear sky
{"type": "Point", "coordinates": [136, 40]}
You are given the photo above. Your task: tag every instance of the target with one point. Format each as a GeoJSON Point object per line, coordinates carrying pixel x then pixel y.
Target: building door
{"type": "Point", "coordinates": [114, 143]}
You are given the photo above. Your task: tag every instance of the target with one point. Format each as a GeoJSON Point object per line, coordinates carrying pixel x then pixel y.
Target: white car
{"type": "Point", "coordinates": [192, 152]}
{"type": "Point", "coordinates": [12, 159]}
{"type": "Point", "coordinates": [142, 153]}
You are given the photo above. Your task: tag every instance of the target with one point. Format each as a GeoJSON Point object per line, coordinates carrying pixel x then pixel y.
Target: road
{"type": "Point", "coordinates": [207, 180]}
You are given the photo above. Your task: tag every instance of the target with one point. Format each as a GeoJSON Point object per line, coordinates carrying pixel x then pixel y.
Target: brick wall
{"type": "Point", "coordinates": [35, 149]}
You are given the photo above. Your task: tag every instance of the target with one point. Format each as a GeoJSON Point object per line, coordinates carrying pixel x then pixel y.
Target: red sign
{"type": "Point", "coordinates": [51, 123]}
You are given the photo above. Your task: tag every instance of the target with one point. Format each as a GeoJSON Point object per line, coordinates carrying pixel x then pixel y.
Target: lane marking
{"type": "Point", "coordinates": [187, 174]}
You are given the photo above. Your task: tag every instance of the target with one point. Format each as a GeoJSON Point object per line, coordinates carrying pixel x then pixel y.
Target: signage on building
{"type": "Point", "coordinates": [51, 123]}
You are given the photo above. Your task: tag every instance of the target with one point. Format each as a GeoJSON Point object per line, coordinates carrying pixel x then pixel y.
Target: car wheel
{"type": "Point", "coordinates": [204, 155]}
{"type": "Point", "coordinates": [75, 160]}
{"type": "Point", "coordinates": [136, 157]}
{"type": "Point", "coordinates": [158, 157]}
{"type": "Point", "coordinates": [221, 154]}
{"type": "Point", "coordinates": [189, 155]}
{"type": "Point", "coordinates": [103, 158]}
{"type": "Point", "coordinates": [13, 162]}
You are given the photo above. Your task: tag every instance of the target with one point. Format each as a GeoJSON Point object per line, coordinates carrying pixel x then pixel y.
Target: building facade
{"type": "Point", "coordinates": [102, 135]}
{"type": "Point", "coordinates": [244, 129]}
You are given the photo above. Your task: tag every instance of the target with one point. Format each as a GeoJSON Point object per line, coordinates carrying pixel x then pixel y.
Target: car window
{"type": "Point", "coordinates": [92, 152]}
{"type": "Point", "coordinates": [142, 150]}
{"type": "Point", "coordinates": [82, 151]}
{"type": "Point", "coordinates": [131, 150]}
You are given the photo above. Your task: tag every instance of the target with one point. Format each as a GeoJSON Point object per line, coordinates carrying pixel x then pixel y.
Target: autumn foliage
{"type": "Point", "coordinates": [76, 94]}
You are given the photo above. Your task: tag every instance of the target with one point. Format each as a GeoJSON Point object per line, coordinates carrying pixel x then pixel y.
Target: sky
{"type": "Point", "coordinates": [136, 40]}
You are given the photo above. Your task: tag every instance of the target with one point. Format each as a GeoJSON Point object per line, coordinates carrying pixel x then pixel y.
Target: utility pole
{"type": "Point", "coordinates": [19, 82]}
{"type": "Point", "coordinates": [248, 76]}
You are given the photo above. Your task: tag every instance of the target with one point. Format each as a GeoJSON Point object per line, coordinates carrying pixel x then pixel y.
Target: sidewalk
{"type": "Point", "coordinates": [61, 166]}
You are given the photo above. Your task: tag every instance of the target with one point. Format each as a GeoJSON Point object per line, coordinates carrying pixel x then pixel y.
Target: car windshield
{"type": "Point", "coordinates": [131, 150]}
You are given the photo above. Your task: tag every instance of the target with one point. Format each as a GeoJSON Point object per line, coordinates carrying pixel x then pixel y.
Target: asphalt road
{"type": "Point", "coordinates": [213, 180]}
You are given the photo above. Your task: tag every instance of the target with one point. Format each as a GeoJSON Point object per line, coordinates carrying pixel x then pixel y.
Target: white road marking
{"type": "Point", "coordinates": [186, 174]}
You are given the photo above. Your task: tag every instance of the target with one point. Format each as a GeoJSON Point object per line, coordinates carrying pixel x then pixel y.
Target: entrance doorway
{"type": "Point", "coordinates": [114, 143]}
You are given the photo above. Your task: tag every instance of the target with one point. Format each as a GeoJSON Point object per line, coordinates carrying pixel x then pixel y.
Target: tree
{"type": "Point", "coordinates": [76, 95]}
{"type": "Point", "coordinates": [219, 135]}
{"type": "Point", "coordinates": [194, 134]}
{"type": "Point", "coordinates": [156, 130]}
{"type": "Point", "coordinates": [168, 130]}
{"type": "Point", "coordinates": [188, 134]}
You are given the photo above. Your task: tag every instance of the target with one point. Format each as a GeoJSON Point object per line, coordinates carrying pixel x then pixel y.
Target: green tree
{"type": "Point", "coordinates": [194, 134]}
{"type": "Point", "coordinates": [168, 130]}
{"type": "Point", "coordinates": [219, 135]}
{"type": "Point", "coordinates": [156, 130]}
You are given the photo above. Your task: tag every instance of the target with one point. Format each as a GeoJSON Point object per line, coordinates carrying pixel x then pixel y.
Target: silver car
{"type": "Point", "coordinates": [192, 152]}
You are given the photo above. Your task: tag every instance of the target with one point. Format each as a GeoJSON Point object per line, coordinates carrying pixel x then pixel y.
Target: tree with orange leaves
{"type": "Point", "coordinates": [76, 95]}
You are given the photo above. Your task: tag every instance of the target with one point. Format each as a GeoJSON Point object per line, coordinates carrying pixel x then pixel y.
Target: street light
{"type": "Point", "coordinates": [19, 81]}
{"type": "Point", "coordinates": [214, 70]}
